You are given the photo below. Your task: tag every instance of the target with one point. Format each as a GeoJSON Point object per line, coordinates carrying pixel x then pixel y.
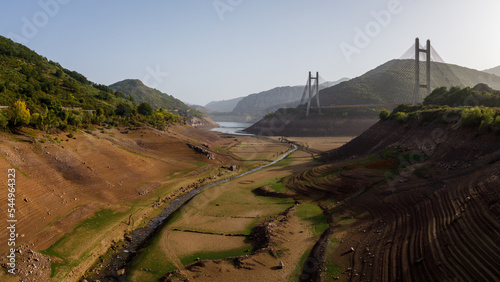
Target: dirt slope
{"type": "Point", "coordinates": [415, 203]}
{"type": "Point", "coordinates": [61, 182]}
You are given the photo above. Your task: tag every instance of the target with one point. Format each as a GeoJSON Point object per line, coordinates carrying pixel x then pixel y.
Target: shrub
{"type": "Point", "coordinates": [21, 115]}
{"type": "Point", "coordinates": [401, 117]}
{"type": "Point", "coordinates": [496, 125]}
{"type": "Point", "coordinates": [471, 117]}
{"type": "Point", "coordinates": [4, 121]}
{"type": "Point", "coordinates": [488, 118]}
{"type": "Point", "coordinates": [384, 114]}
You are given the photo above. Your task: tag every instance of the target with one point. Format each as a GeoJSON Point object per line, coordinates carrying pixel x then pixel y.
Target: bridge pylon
{"type": "Point", "coordinates": [427, 52]}
{"type": "Point", "coordinates": [310, 88]}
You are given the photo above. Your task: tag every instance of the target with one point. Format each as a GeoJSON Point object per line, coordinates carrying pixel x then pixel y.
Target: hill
{"type": "Point", "coordinates": [157, 99]}
{"type": "Point", "coordinates": [262, 103]}
{"type": "Point", "coordinates": [495, 71]}
{"type": "Point", "coordinates": [223, 106]}
{"type": "Point", "coordinates": [75, 194]}
{"type": "Point", "coordinates": [393, 82]}
{"type": "Point", "coordinates": [40, 83]}
{"type": "Point", "coordinates": [390, 83]}
{"type": "Point", "coordinates": [406, 199]}
{"type": "Point", "coordinates": [42, 94]}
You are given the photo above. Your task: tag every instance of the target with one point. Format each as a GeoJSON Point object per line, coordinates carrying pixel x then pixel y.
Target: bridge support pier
{"type": "Point", "coordinates": [427, 52]}
{"type": "Point", "coordinates": [316, 90]}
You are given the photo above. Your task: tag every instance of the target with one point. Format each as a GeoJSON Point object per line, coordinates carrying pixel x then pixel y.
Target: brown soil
{"type": "Point", "coordinates": [60, 183]}
{"type": "Point", "coordinates": [436, 221]}
{"type": "Point", "coordinates": [229, 209]}
{"type": "Point", "coordinates": [288, 236]}
{"type": "Point", "coordinates": [203, 242]}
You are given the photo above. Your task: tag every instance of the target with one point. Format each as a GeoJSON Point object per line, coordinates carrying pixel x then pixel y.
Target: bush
{"type": "Point", "coordinates": [471, 117]}
{"type": "Point", "coordinates": [4, 121]}
{"type": "Point", "coordinates": [384, 114]}
{"type": "Point", "coordinates": [487, 119]}
{"type": "Point", "coordinates": [496, 125]}
{"type": "Point", "coordinates": [401, 117]}
{"type": "Point", "coordinates": [123, 110]}
{"type": "Point", "coordinates": [21, 115]}
{"type": "Point", "coordinates": [145, 109]}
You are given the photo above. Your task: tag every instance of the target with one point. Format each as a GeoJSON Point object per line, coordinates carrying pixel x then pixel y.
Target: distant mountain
{"type": "Point", "coordinates": [157, 99]}
{"type": "Point", "coordinates": [393, 82]}
{"type": "Point", "coordinates": [495, 70]}
{"type": "Point", "coordinates": [390, 83]}
{"type": "Point", "coordinates": [260, 104]}
{"type": "Point", "coordinates": [200, 108]}
{"type": "Point", "coordinates": [224, 106]}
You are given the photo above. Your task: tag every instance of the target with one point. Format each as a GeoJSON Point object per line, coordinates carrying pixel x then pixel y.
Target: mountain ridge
{"type": "Point", "coordinates": [157, 99]}
{"type": "Point", "coordinates": [389, 83]}
{"type": "Point", "coordinates": [494, 70]}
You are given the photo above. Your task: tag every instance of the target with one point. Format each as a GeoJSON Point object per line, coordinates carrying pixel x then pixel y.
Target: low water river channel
{"type": "Point", "coordinates": [140, 237]}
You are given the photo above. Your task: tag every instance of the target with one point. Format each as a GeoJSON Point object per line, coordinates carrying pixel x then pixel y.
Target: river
{"type": "Point", "coordinates": [235, 128]}
{"type": "Point", "coordinates": [140, 237]}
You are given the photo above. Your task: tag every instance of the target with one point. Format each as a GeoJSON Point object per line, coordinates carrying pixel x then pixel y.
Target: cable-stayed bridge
{"type": "Point", "coordinates": [407, 81]}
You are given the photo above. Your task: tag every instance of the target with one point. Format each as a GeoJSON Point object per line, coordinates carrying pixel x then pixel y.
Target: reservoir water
{"type": "Point", "coordinates": [235, 128]}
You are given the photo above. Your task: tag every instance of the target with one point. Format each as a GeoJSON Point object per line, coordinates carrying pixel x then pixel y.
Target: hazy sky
{"type": "Point", "coordinates": [200, 51]}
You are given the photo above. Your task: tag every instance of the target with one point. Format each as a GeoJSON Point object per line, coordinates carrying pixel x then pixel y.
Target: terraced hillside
{"type": "Point", "coordinates": [409, 202]}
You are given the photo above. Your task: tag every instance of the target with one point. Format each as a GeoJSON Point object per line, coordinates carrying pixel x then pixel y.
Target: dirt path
{"type": "Point", "coordinates": [165, 244]}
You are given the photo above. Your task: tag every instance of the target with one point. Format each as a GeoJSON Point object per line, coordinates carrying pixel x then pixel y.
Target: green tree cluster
{"type": "Point", "coordinates": [41, 94]}
{"type": "Point", "coordinates": [479, 95]}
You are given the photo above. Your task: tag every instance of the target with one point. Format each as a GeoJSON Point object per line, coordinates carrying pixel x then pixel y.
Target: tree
{"type": "Point", "coordinates": [123, 110]}
{"type": "Point", "coordinates": [21, 115]}
{"type": "Point", "coordinates": [145, 109]}
{"type": "Point", "coordinates": [59, 73]}
{"type": "Point", "coordinates": [3, 121]}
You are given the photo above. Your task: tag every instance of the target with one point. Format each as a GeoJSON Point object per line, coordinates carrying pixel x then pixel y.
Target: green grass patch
{"type": "Point", "coordinates": [78, 245]}
{"type": "Point", "coordinates": [332, 269]}
{"type": "Point", "coordinates": [152, 257]}
{"type": "Point", "coordinates": [314, 214]}
{"type": "Point", "coordinates": [197, 164]}
{"type": "Point", "coordinates": [278, 187]}
{"type": "Point", "coordinates": [284, 162]}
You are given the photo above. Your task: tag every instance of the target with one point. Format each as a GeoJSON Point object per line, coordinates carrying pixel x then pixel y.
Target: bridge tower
{"type": "Point", "coordinates": [427, 52]}
{"type": "Point", "coordinates": [309, 89]}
